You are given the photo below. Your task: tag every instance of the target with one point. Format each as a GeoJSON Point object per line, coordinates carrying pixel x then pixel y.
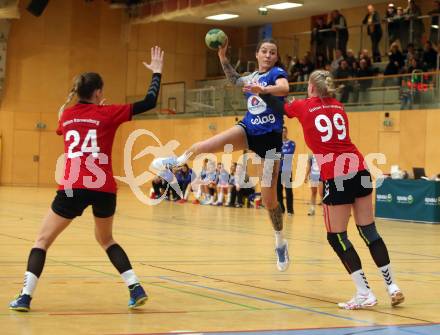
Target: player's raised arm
{"type": "Point", "coordinates": [156, 66]}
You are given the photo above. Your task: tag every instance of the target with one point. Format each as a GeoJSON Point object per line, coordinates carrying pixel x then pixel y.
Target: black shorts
{"type": "Point", "coordinates": [344, 190]}
{"type": "Point", "coordinates": [261, 144]}
{"type": "Point", "coordinates": [103, 203]}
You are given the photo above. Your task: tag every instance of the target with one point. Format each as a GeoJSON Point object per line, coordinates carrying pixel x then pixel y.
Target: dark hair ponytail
{"type": "Point", "coordinates": [278, 63]}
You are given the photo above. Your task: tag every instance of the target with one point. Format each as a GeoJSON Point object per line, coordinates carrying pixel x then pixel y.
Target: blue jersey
{"type": "Point", "coordinates": [260, 118]}
{"type": "Point", "coordinates": [287, 151]}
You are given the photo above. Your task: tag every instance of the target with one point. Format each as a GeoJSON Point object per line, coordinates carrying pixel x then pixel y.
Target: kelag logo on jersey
{"type": "Point", "coordinates": [264, 119]}
{"type": "Point", "coordinates": [384, 197]}
{"type": "Point", "coordinates": [402, 199]}
{"type": "Point", "coordinates": [256, 105]}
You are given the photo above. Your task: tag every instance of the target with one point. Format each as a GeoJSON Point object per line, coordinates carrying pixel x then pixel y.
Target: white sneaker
{"type": "Point", "coordinates": [283, 257]}
{"type": "Point", "coordinates": [164, 163]}
{"type": "Point", "coordinates": [311, 211]}
{"type": "Point", "coordinates": [359, 301]}
{"type": "Point", "coordinates": [396, 295]}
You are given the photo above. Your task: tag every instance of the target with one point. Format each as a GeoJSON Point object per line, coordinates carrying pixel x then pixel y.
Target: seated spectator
{"type": "Point", "coordinates": [409, 54]}
{"type": "Point", "coordinates": [396, 60]}
{"type": "Point", "coordinates": [344, 72]}
{"type": "Point", "coordinates": [240, 191]}
{"type": "Point", "coordinates": [222, 182]}
{"type": "Point", "coordinates": [336, 62]}
{"type": "Point", "coordinates": [351, 59]}
{"type": "Point", "coordinates": [320, 62]}
{"type": "Point", "coordinates": [429, 57]}
{"type": "Point", "coordinates": [364, 54]}
{"type": "Point", "coordinates": [362, 85]}
{"type": "Point", "coordinates": [160, 183]}
{"type": "Point", "coordinates": [183, 177]}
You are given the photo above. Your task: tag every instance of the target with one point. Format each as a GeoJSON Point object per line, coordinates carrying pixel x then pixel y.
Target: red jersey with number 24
{"type": "Point", "coordinates": [325, 126]}
{"type": "Point", "coordinates": [88, 132]}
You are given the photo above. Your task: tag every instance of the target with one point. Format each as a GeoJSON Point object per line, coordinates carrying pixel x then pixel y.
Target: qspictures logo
{"type": "Point", "coordinates": [384, 197]}
{"type": "Point", "coordinates": [432, 201]}
{"type": "Point", "coordinates": [405, 199]}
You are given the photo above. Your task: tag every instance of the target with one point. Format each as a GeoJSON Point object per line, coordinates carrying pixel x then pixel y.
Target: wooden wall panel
{"type": "Point", "coordinates": [389, 145]}
{"type": "Point", "coordinates": [412, 139]}
{"type": "Point", "coordinates": [51, 147]}
{"type": "Point", "coordinates": [24, 168]}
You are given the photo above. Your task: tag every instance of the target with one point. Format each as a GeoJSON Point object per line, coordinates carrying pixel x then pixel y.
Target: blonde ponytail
{"type": "Point", "coordinates": [323, 82]}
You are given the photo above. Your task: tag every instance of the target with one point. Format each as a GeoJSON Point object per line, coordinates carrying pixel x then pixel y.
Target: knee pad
{"type": "Point", "coordinates": [339, 242]}
{"type": "Point", "coordinates": [369, 233]}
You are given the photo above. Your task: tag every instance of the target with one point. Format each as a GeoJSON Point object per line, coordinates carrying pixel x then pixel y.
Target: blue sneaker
{"type": "Point", "coordinates": [282, 257]}
{"type": "Point", "coordinates": [138, 297]}
{"type": "Point", "coordinates": [21, 303]}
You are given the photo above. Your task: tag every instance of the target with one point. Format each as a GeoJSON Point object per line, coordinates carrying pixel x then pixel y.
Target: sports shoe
{"type": "Point", "coordinates": [164, 163]}
{"type": "Point", "coordinates": [397, 297]}
{"type": "Point", "coordinates": [311, 212]}
{"type": "Point", "coordinates": [21, 303]}
{"type": "Point", "coordinates": [359, 301]}
{"type": "Point", "coordinates": [282, 257]}
{"type": "Point", "coordinates": [181, 201]}
{"type": "Point", "coordinates": [138, 297]}
{"type": "Point", "coordinates": [196, 202]}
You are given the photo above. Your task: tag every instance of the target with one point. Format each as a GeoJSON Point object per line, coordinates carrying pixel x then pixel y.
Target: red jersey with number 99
{"type": "Point", "coordinates": [88, 132]}
{"type": "Point", "coordinates": [325, 126]}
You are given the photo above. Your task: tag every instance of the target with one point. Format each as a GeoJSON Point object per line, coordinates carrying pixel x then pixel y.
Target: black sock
{"type": "Point", "coordinates": [119, 258]}
{"type": "Point", "coordinates": [36, 260]}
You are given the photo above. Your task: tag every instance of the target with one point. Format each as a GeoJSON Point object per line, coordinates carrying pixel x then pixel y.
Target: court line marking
{"type": "Point", "coordinates": [304, 309]}
{"type": "Point", "coordinates": [287, 293]}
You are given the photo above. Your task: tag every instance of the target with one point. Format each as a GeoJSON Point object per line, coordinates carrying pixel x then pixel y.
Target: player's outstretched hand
{"type": "Point", "coordinates": [156, 64]}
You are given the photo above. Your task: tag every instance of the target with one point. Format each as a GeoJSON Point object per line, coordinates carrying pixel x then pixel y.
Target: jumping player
{"type": "Point", "coordinates": [88, 129]}
{"type": "Point", "coordinates": [259, 131]}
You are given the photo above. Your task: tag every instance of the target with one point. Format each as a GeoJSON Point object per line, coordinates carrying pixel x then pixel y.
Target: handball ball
{"type": "Point", "coordinates": [215, 38]}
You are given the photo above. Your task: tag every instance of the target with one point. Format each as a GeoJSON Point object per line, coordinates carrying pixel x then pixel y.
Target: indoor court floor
{"type": "Point", "coordinates": [209, 270]}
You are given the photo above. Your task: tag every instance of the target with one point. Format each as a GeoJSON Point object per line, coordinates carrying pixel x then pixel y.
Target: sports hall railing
{"type": "Point", "coordinates": [417, 90]}
{"type": "Point", "coordinates": [409, 29]}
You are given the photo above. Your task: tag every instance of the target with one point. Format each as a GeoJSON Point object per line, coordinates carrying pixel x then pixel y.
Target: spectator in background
{"type": "Point", "coordinates": [339, 35]}
{"type": "Point", "coordinates": [231, 202]}
{"type": "Point", "coordinates": [434, 35]}
{"type": "Point", "coordinates": [222, 182]}
{"type": "Point", "coordinates": [403, 24]}
{"type": "Point", "coordinates": [364, 54]}
{"type": "Point", "coordinates": [313, 174]}
{"type": "Point", "coordinates": [345, 86]}
{"type": "Point", "coordinates": [160, 183]}
{"type": "Point", "coordinates": [410, 54]}
{"type": "Point", "coordinates": [350, 58]}
{"type": "Point", "coordinates": [412, 12]}
{"type": "Point", "coordinates": [429, 57]}
{"type": "Point", "coordinates": [374, 29]}
{"type": "Point", "coordinates": [336, 62]}
{"type": "Point", "coordinates": [393, 23]}
{"type": "Point", "coordinates": [285, 174]}
{"type": "Point", "coordinates": [362, 85]}
{"type": "Point", "coordinates": [396, 60]}
{"type": "Point", "coordinates": [318, 39]}
{"type": "Point", "coordinates": [240, 191]}
{"type": "Point", "coordinates": [183, 177]}
{"type": "Point", "coordinates": [320, 62]}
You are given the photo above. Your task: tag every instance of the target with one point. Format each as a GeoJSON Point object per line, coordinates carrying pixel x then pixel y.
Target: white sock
{"type": "Point", "coordinates": [30, 282]}
{"type": "Point", "coordinates": [199, 192]}
{"type": "Point", "coordinates": [228, 198]}
{"type": "Point", "coordinates": [387, 275]}
{"type": "Point", "coordinates": [360, 281]}
{"type": "Point", "coordinates": [129, 277]}
{"type": "Point", "coordinates": [279, 238]}
{"type": "Point", "coordinates": [220, 197]}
